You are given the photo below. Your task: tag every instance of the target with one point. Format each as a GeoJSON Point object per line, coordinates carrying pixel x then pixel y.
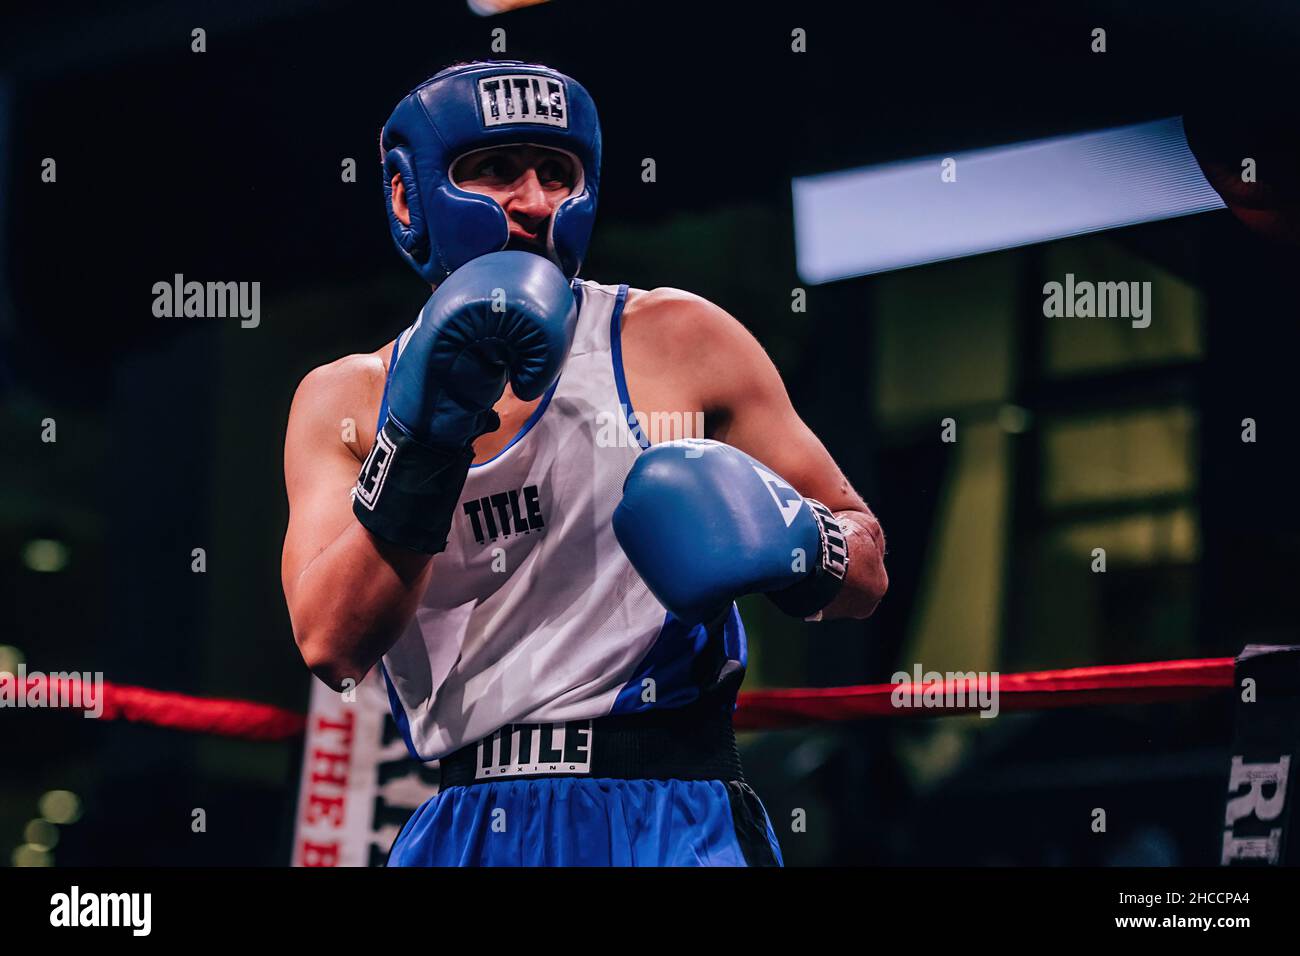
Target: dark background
{"type": "Point", "coordinates": [226, 166]}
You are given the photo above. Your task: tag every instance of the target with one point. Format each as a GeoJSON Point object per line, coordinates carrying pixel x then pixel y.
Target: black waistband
{"type": "Point", "coordinates": [684, 743]}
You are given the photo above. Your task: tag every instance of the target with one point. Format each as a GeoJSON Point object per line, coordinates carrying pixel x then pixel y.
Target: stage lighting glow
{"type": "Point", "coordinates": [879, 218]}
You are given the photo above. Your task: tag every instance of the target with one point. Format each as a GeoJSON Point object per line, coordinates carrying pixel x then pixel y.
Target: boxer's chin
{"type": "Point", "coordinates": [534, 246]}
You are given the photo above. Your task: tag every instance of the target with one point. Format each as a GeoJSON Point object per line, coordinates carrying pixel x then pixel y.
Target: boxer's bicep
{"type": "Point", "coordinates": [320, 470]}
{"type": "Point", "coordinates": [753, 412]}
{"type": "Point", "coordinates": [774, 433]}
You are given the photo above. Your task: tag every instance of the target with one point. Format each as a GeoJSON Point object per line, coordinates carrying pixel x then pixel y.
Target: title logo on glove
{"type": "Point", "coordinates": [373, 472]}
{"type": "Point", "coordinates": [789, 505]}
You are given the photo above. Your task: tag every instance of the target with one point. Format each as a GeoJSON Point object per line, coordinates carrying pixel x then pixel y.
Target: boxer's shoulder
{"type": "Point", "coordinates": [680, 326]}
{"type": "Point", "coordinates": [664, 304]}
{"type": "Point", "coordinates": [678, 348]}
{"type": "Point", "coordinates": [674, 319]}
{"type": "Point", "coordinates": [345, 391]}
{"type": "Point", "coordinates": [354, 376]}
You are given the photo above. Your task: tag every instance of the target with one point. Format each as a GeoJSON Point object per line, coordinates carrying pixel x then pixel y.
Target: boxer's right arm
{"type": "Point", "coordinates": [349, 593]}
{"type": "Point", "coordinates": [356, 562]}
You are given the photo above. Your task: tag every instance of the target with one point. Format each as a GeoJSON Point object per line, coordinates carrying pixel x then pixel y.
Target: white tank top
{"type": "Point", "coordinates": [533, 612]}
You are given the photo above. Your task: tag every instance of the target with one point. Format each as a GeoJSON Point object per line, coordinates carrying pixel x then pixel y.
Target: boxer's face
{"type": "Point", "coordinates": [528, 182]}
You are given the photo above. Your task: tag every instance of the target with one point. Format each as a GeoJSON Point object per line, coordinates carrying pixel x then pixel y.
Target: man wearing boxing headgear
{"type": "Point", "coordinates": [549, 589]}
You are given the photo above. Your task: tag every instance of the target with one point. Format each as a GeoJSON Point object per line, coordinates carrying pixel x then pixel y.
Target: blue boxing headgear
{"type": "Point", "coordinates": [475, 106]}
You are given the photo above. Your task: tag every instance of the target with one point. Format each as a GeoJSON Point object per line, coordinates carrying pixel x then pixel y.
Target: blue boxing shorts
{"type": "Point", "coordinates": [658, 789]}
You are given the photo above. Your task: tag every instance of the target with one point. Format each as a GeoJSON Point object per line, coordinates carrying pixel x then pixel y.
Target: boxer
{"type": "Point", "coordinates": [545, 577]}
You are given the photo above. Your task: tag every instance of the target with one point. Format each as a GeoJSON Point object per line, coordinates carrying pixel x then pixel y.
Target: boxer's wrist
{"type": "Point", "coordinates": [807, 598]}
{"type": "Point", "coordinates": [407, 491]}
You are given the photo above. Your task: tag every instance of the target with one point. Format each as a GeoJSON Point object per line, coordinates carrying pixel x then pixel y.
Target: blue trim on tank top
{"type": "Point", "coordinates": [616, 357]}
{"type": "Point", "coordinates": [383, 400]}
{"type": "Point", "coordinates": [399, 715]}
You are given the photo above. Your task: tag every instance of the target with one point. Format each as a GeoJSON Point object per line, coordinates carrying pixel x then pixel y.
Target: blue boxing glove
{"type": "Point", "coordinates": [503, 316]}
{"type": "Point", "coordinates": [703, 523]}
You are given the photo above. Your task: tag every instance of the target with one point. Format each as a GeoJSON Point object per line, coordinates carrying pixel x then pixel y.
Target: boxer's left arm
{"type": "Point", "coordinates": [746, 405]}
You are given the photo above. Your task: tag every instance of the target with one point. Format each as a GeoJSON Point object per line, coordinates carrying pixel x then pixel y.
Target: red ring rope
{"type": "Point", "coordinates": [758, 709]}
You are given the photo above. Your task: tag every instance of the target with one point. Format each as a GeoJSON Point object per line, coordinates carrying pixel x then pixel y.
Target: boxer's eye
{"type": "Point", "coordinates": [485, 169]}
{"type": "Point", "coordinates": [555, 174]}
